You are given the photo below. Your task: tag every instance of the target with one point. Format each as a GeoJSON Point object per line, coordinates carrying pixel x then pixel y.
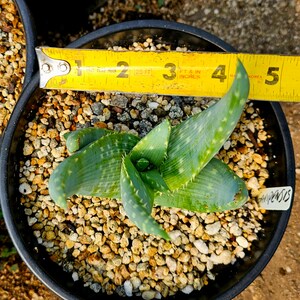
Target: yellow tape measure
{"type": "Point", "coordinates": [272, 77]}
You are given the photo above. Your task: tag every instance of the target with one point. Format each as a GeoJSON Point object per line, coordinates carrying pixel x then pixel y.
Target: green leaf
{"type": "Point", "coordinates": [216, 188]}
{"type": "Point", "coordinates": [14, 268]}
{"type": "Point", "coordinates": [154, 180]}
{"type": "Point", "coordinates": [194, 142]}
{"type": "Point", "coordinates": [6, 252]}
{"type": "Point", "coordinates": [160, 3]}
{"type": "Point", "coordinates": [153, 146]}
{"type": "Point", "coordinates": [93, 171]}
{"type": "Point", "coordinates": [142, 164]}
{"type": "Point", "coordinates": [76, 140]}
{"type": "Point", "coordinates": [132, 176]}
{"type": "Point", "coordinates": [137, 200]}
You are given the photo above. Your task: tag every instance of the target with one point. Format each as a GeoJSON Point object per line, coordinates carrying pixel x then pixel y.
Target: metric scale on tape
{"type": "Point", "coordinates": [272, 77]}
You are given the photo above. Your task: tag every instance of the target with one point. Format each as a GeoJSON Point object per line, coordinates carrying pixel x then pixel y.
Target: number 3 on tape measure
{"type": "Point", "coordinates": [172, 74]}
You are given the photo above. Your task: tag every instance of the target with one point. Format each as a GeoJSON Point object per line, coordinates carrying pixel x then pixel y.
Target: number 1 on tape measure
{"type": "Point", "coordinates": [272, 77]}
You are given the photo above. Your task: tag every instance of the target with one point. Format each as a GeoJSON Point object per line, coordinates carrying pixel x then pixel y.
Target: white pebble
{"type": "Point", "coordinates": [235, 229]}
{"type": "Point", "coordinates": [31, 221]}
{"type": "Point", "coordinates": [57, 152]}
{"type": "Point", "coordinates": [174, 234]}
{"type": "Point", "coordinates": [87, 110]}
{"type": "Point", "coordinates": [128, 288]}
{"type": "Point", "coordinates": [105, 102]}
{"type": "Point", "coordinates": [136, 282]}
{"type": "Point", "coordinates": [212, 229]}
{"type": "Point", "coordinates": [288, 270]}
{"type": "Point", "coordinates": [25, 188]}
{"type": "Point", "coordinates": [242, 241]}
{"type": "Point", "coordinates": [153, 105]}
{"type": "Point", "coordinates": [241, 254]}
{"type": "Point", "coordinates": [227, 145]}
{"type": "Point", "coordinates": [73, 236]}
{"type": "Point", "coordinates": [210, 275]}
{"type": "Point", "coordinates": [96, 287]}
{"type": "Point", "coordinates": [201, 246]}
{"type": "Point", "coordinates": [42, 152]}
{"type": "Point", "coordinates": [209, 219]}
{"type": "Point", "coordinates": [36, 143]}
{"type": "Point", "coordinates": [167, 107]}
{"type": "Point", "coordinates": [223, 258]}
{"type": "Point", "coordinates": [188, 289]}
{"type": "Point", "coordinates": [253, 183]}
{"type": "Point", "coordinates": [207, 11]}
{"type": "Point", "coordinates": [196, 110]}
{"type": "Point", "coordinates": [250, 125]}
{"type": "Point", "coordinates": [171, 263]}
{"type": "Point", "coordinates": [148, 295]}
{"type": "Point", "coordinates": [27, 149]}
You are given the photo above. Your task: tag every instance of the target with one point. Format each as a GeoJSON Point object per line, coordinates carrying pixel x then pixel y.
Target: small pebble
{"type": "Point", "coordinates": [96, 287]}
{"type": "Point", "coordinates": [242, 241]}
{"type": "Point", "coordinates": [224, 258]}
{"type": "Point", "coordinates": [128, 287]}
{"type": "Point", "coordinates": [148, 295]}
{"type": "Point", "coordinates": [201, 246]}
{"type": "Point", "coordinates": [188, 289]}
{"type": "Point", "coordinates": [75, 276]}
{"type": "Point", "coordinates": [213, 229]}
{"type": "Point", "coordinates": [25, 188]}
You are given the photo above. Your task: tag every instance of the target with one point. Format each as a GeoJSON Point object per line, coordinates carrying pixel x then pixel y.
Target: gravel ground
{"type": "Point", "coordinates": [252, 26]}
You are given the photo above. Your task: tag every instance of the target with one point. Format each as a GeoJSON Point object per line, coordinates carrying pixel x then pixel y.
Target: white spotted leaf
{"type": "Point", "coordinates": [153, 146]}
{"type": "Point", "coordinates": [154, 180]}
{"type": "Point", "coordinates": [194, 142]}
{"type": "Point", "coordinates": [92, 171]}
{"type": "Point", "coordinates": [137, 200]}
{"type": "Point", "coordinates": [77, 139]}
{"type": "Point", "coordinates": [216, 188]}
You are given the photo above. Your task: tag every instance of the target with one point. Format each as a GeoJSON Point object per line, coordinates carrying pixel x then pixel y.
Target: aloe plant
{"type": "Point", "coordinates": [170, 166]}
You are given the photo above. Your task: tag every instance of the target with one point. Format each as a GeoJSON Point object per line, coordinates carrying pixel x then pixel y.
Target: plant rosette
{"type": "Point", "coordinates": [169, 167]}
{"type": "Point", "coordinates": [125, 220]}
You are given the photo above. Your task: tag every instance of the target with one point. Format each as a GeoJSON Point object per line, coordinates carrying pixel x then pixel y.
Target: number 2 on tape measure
{"type": "Point", "coordinates": [125, 66]}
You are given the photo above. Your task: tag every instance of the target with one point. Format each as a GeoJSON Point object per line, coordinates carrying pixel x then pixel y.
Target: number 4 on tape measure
{"type": "Point", "coordinates": [272, 77]}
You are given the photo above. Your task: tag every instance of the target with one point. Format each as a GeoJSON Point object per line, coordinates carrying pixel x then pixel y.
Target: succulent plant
{"type": "Point", "coordinates": [170, 166]}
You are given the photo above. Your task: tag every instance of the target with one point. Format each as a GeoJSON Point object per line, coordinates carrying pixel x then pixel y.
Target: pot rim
{"type": "Point", "coordinates": [268, 252]}
{"type": "Point", "coordinates": [30, 38]}
{"type": "Point", "coordinates": [155, 24]}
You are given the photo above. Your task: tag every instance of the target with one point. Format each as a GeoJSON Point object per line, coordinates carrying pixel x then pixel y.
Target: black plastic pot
{"type": "Point", "coordinates": [64, 17]}
{"type": "Point", "coordinates": [232, 279]}
{"type": "Point", "coordinates": [30, 39]}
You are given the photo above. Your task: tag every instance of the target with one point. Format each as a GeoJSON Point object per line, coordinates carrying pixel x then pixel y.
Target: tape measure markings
{"type": "Point", "coordinates": [272, 77]}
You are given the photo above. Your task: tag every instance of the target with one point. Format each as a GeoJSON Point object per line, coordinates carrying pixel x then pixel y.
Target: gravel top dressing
{"type": "Point", "coordinates": [12, 59]}
{"type": "Point", "coordinates": [94, 239]}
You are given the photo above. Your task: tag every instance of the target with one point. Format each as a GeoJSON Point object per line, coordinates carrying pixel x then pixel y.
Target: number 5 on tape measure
{"type": "Point", "coordinates": [272, 77]}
